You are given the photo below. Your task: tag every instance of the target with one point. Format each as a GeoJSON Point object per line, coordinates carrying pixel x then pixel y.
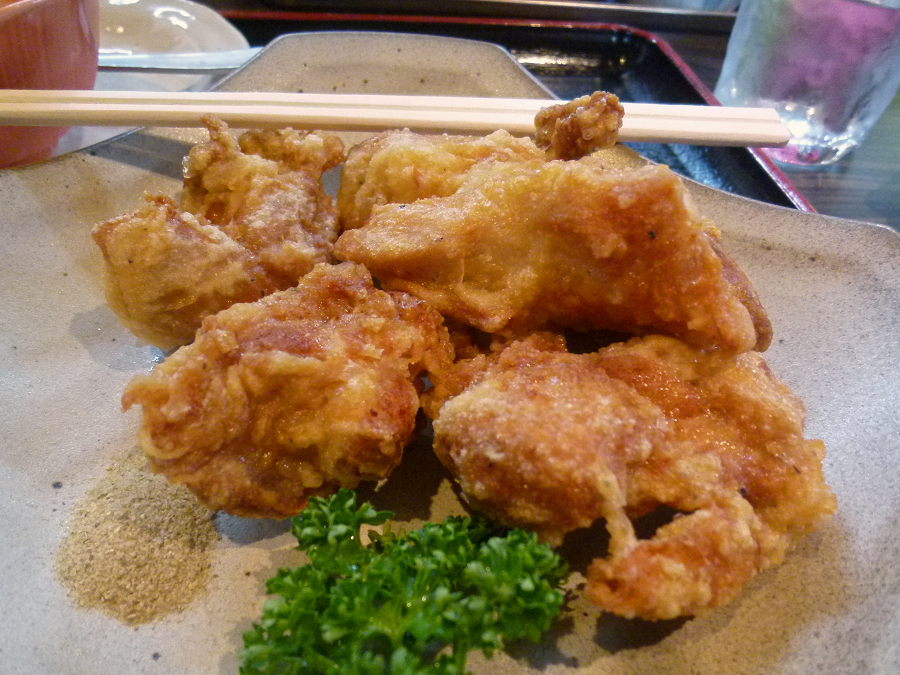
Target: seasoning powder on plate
{"type": "Point", "coordinates": [138, 547]}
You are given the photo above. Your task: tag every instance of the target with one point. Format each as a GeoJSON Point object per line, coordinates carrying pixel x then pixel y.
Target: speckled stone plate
{"type": "Point", "coordinates": [831, 287]}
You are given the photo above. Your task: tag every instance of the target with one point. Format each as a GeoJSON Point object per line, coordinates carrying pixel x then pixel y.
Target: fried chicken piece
{"type": "Point", "coordinates": [400, 167]}
{"type": "Point", "coordinates": [472, 354]}
{"type": "Point", "coordinates": [525, 245]}
{"type": "Point", "coordinates": [552, 441]}
{"type": "Point", "coordinates": [293, 396]}
{"type": "Point", "coordinates": [579, 127]}
{"type": "Point", "coordinates": [167, 269]}
{"type": "Point", "coordinates": [249, 224]}
{"type": "Point", "coordinates": [311, 152]}
{"type": "Point", "coordinates": [265, 192]}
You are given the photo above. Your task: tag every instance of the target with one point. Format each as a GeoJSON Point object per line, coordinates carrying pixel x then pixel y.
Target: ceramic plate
{"type": "Point", "coordinates": [153, 27]}
{"type": "Point", "coordinates": [831, 287]}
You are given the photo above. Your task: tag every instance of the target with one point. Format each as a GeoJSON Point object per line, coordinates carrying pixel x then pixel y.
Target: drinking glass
{"type": "Point", "coordinates": [830, 68]}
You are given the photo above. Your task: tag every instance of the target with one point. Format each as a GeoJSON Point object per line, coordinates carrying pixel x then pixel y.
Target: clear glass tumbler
{"type": "Point", "coordinates": [830, 68]}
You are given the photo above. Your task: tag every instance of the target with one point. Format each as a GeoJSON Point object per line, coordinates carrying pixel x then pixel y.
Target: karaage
{"type": "Point", "coordinates": [295, 395]}
{"type": "Point", "coordinates": [552, 441]}
{"type": "Point", "coordinates": [577, 128]}
{"type": "Point", "coordinates": [525, 245]}
{"type": "Point", "coordinates": [167, 269]}
{"type": "Point", "coordinates": [400, 167]}
{"type": "Point", "coordinates": [253, 219]}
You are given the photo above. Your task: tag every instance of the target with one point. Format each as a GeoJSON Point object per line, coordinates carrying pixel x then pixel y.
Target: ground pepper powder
{"type": "Point", "coordinates": [138, 547]}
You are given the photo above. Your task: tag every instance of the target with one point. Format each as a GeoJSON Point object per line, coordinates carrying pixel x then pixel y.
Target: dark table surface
{"type": "Point", "coordinates": [863, 186]}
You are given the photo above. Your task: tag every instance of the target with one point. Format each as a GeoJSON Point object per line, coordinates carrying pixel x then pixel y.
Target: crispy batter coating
{"type": "Point", "coordinates": [295, 395]}
{"type": "Point", "coordinates": [263, 181]}
{"type": "Point", "coordinates": [577, 128]}
{"type": "Point", "coordinates": [471, 359]}
{"type": "Point", "coordinates": [401, 167]}
{"type": "Point", "coordinates": [265, 192]}
{"type": "Point", "coordinates": [167, 269]}
{"type": "Point", "coordinates": [249, 224]}
{"type": "Point", "coordinates": [524, 245]}
{"type": "Point", "coordinates": [552, 441]}
{"type": "Point", "coordinates": [310, 152]}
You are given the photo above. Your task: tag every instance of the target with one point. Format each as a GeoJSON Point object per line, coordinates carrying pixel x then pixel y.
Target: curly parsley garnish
{"type": "Point", "coordinates": [409, 603]}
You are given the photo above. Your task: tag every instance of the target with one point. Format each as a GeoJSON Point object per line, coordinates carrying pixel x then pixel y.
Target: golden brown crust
{"type": "Point", "coordinates": [167, 269]}
{"type": "Point", "coordinates": [300, 393]}
{"type": "Point", "coordinates": [313, 152]}
{"type": "Point", "coordinates": [525, 245]}
{"type": "Point", "coordinates": [400, 167]}
{"type": "Point", "coordinates": [249, 224]}
{"type": "Point", "coordinates": [271, 203]}
{"type": "Point", "coordinates": [471, 360]}
{"type": "Point", "coordinates": [553, 441]}
{"type": "Point", "coordinates": [740, 282]}
{"type": "Point", "coordinates": [577, 128]}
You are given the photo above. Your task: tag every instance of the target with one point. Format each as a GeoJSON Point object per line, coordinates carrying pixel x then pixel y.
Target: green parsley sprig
{"type": "Point", "coordinates": [407, 604]}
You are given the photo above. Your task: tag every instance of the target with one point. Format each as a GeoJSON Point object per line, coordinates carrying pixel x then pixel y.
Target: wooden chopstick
{"type": "Point", "coordinates": [643, 122]}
